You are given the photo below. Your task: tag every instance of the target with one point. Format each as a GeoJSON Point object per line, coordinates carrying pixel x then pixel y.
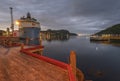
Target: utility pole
{"type": "Point", "coordinates": [12, 24]}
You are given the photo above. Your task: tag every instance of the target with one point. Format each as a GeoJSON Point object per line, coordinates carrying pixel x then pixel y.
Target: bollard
{"type": "Point", "coordinates": [10, 43]}
{"type": "Point", "coordinates": [72, 60]}
{"type": "Point", "coordinates": [22, 46]}
{"type": "Point", "coordinates": [41, 52]}
{"type": "Point", "coordinates": [4, 42]}
{"type": "Point", "coordinates": [40, 42]}
{"type": "Point", "coordinates": [27, 41]}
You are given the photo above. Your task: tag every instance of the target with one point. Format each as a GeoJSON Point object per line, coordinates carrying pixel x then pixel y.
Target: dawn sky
{"type": "Point", "coordinates": [79, 16]}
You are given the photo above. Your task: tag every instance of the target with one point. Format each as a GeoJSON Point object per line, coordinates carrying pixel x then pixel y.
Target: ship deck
{"type": "Point", "coordinates": [15, 66]}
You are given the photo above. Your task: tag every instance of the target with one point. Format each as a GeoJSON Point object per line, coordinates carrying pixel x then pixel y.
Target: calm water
{"type": "Point", "coordinates": [98, 62]}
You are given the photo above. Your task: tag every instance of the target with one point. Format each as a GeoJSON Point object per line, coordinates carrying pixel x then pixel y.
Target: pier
{"type": "Point", "coordinates": [17, 66]}
{"type": "Point", "coordinates": [104, 38]}
{"type": "Point", "coordinates": [24, 64]}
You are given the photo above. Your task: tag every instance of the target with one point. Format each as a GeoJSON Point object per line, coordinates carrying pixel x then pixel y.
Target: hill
{"type": "Point", "coordinates": [59, 32]}
{"type": "Point", "coordinates": [111, 30]}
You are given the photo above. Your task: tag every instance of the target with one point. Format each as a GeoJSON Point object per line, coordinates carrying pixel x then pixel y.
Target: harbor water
{"type": "Point", "coordinates": [99, 62]}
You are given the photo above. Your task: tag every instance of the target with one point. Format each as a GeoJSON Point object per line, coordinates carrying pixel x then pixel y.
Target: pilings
{"type": "Point", "coordinates": [27, 41]}
{"type": "Point", "coordinates": [73, 61]}
{"type": "Point", "coordinates": [77, 73]}
{"type": "Point", "coordinates": [80, 75]}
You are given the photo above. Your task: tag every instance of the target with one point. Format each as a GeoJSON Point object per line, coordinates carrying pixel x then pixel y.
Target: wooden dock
{"type": "Point", "coordinates": [15, 66]}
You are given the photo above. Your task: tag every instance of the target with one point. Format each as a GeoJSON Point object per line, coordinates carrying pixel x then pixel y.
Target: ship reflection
{"type": "Point", "coordinates": [113, 43]}
{"type": "Point", "coordinates": [46, 38]}
{"type": "Point", "coordinates": [31, 42]}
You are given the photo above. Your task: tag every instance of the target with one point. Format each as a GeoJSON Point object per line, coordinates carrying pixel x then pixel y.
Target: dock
{"type": "Point", "coordinates": [104, 38]}
{"type": "Point", "coordinates": [15, 66]}
{"type": "Point", "coordinates": [21, 62]}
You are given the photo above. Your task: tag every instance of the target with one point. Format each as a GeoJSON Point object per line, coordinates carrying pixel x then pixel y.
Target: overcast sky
{"type": "Point", "coordinates": [79, 16]}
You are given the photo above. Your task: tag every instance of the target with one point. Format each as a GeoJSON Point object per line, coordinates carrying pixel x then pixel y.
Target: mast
{"type": "Point", "coordinates": [12, 24]}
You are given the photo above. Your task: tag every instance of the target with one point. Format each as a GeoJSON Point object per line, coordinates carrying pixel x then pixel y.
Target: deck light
{"type": "Point", "coordinates": [17, 22]}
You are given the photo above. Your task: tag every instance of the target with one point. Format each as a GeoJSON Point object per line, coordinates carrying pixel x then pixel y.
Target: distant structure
{"type": "Point", "coordinates": [2, 32]}
{"type": "Point", "coordinates": [50, 35]}
{"type": "Point", "coordinates": [29, 28]}
{"type": "Point", "coordinates": [56, 34]}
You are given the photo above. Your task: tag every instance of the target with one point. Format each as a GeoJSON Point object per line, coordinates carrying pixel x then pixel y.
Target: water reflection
{"type": "Point", "coordinates": [56, 37]}
{"type": "Point", "coordinates": [31, 42]}
{"type": "Point", "coordinates": [114, 43]}
{"type": "Point", "coordinates": [96, 48]}
{"type": "Point", "coordinates": [98, 61]}
{"type": "Point", "coordinates": [46, 38]}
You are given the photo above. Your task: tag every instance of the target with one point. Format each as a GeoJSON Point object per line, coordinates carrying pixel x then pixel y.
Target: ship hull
{"type": "Point", "coordinates": [30, 33]}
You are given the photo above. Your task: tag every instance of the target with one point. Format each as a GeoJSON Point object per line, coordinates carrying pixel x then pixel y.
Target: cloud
{"type": "Point", "coordinates": [75, 15]}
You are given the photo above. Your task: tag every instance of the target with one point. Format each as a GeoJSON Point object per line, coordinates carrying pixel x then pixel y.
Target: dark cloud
{"type": "Point", "coordinates": [86, 16]}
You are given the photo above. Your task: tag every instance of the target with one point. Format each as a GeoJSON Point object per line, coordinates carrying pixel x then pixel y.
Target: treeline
{"type": "Point", "coordinates": [110, 30]}
{"type": "Point", "coordinates": [59, 32]}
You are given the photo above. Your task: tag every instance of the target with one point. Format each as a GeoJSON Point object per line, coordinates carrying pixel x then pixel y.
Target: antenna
{"type": "Point", "coordinates": [12, 24]}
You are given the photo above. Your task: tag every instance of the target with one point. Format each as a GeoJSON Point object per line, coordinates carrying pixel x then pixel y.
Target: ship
{"type": "Point", "coordinates": [29, 27]}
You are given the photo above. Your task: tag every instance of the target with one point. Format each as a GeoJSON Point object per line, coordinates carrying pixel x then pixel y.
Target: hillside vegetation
{"type": "Point", "coordinates": [111, 30]}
